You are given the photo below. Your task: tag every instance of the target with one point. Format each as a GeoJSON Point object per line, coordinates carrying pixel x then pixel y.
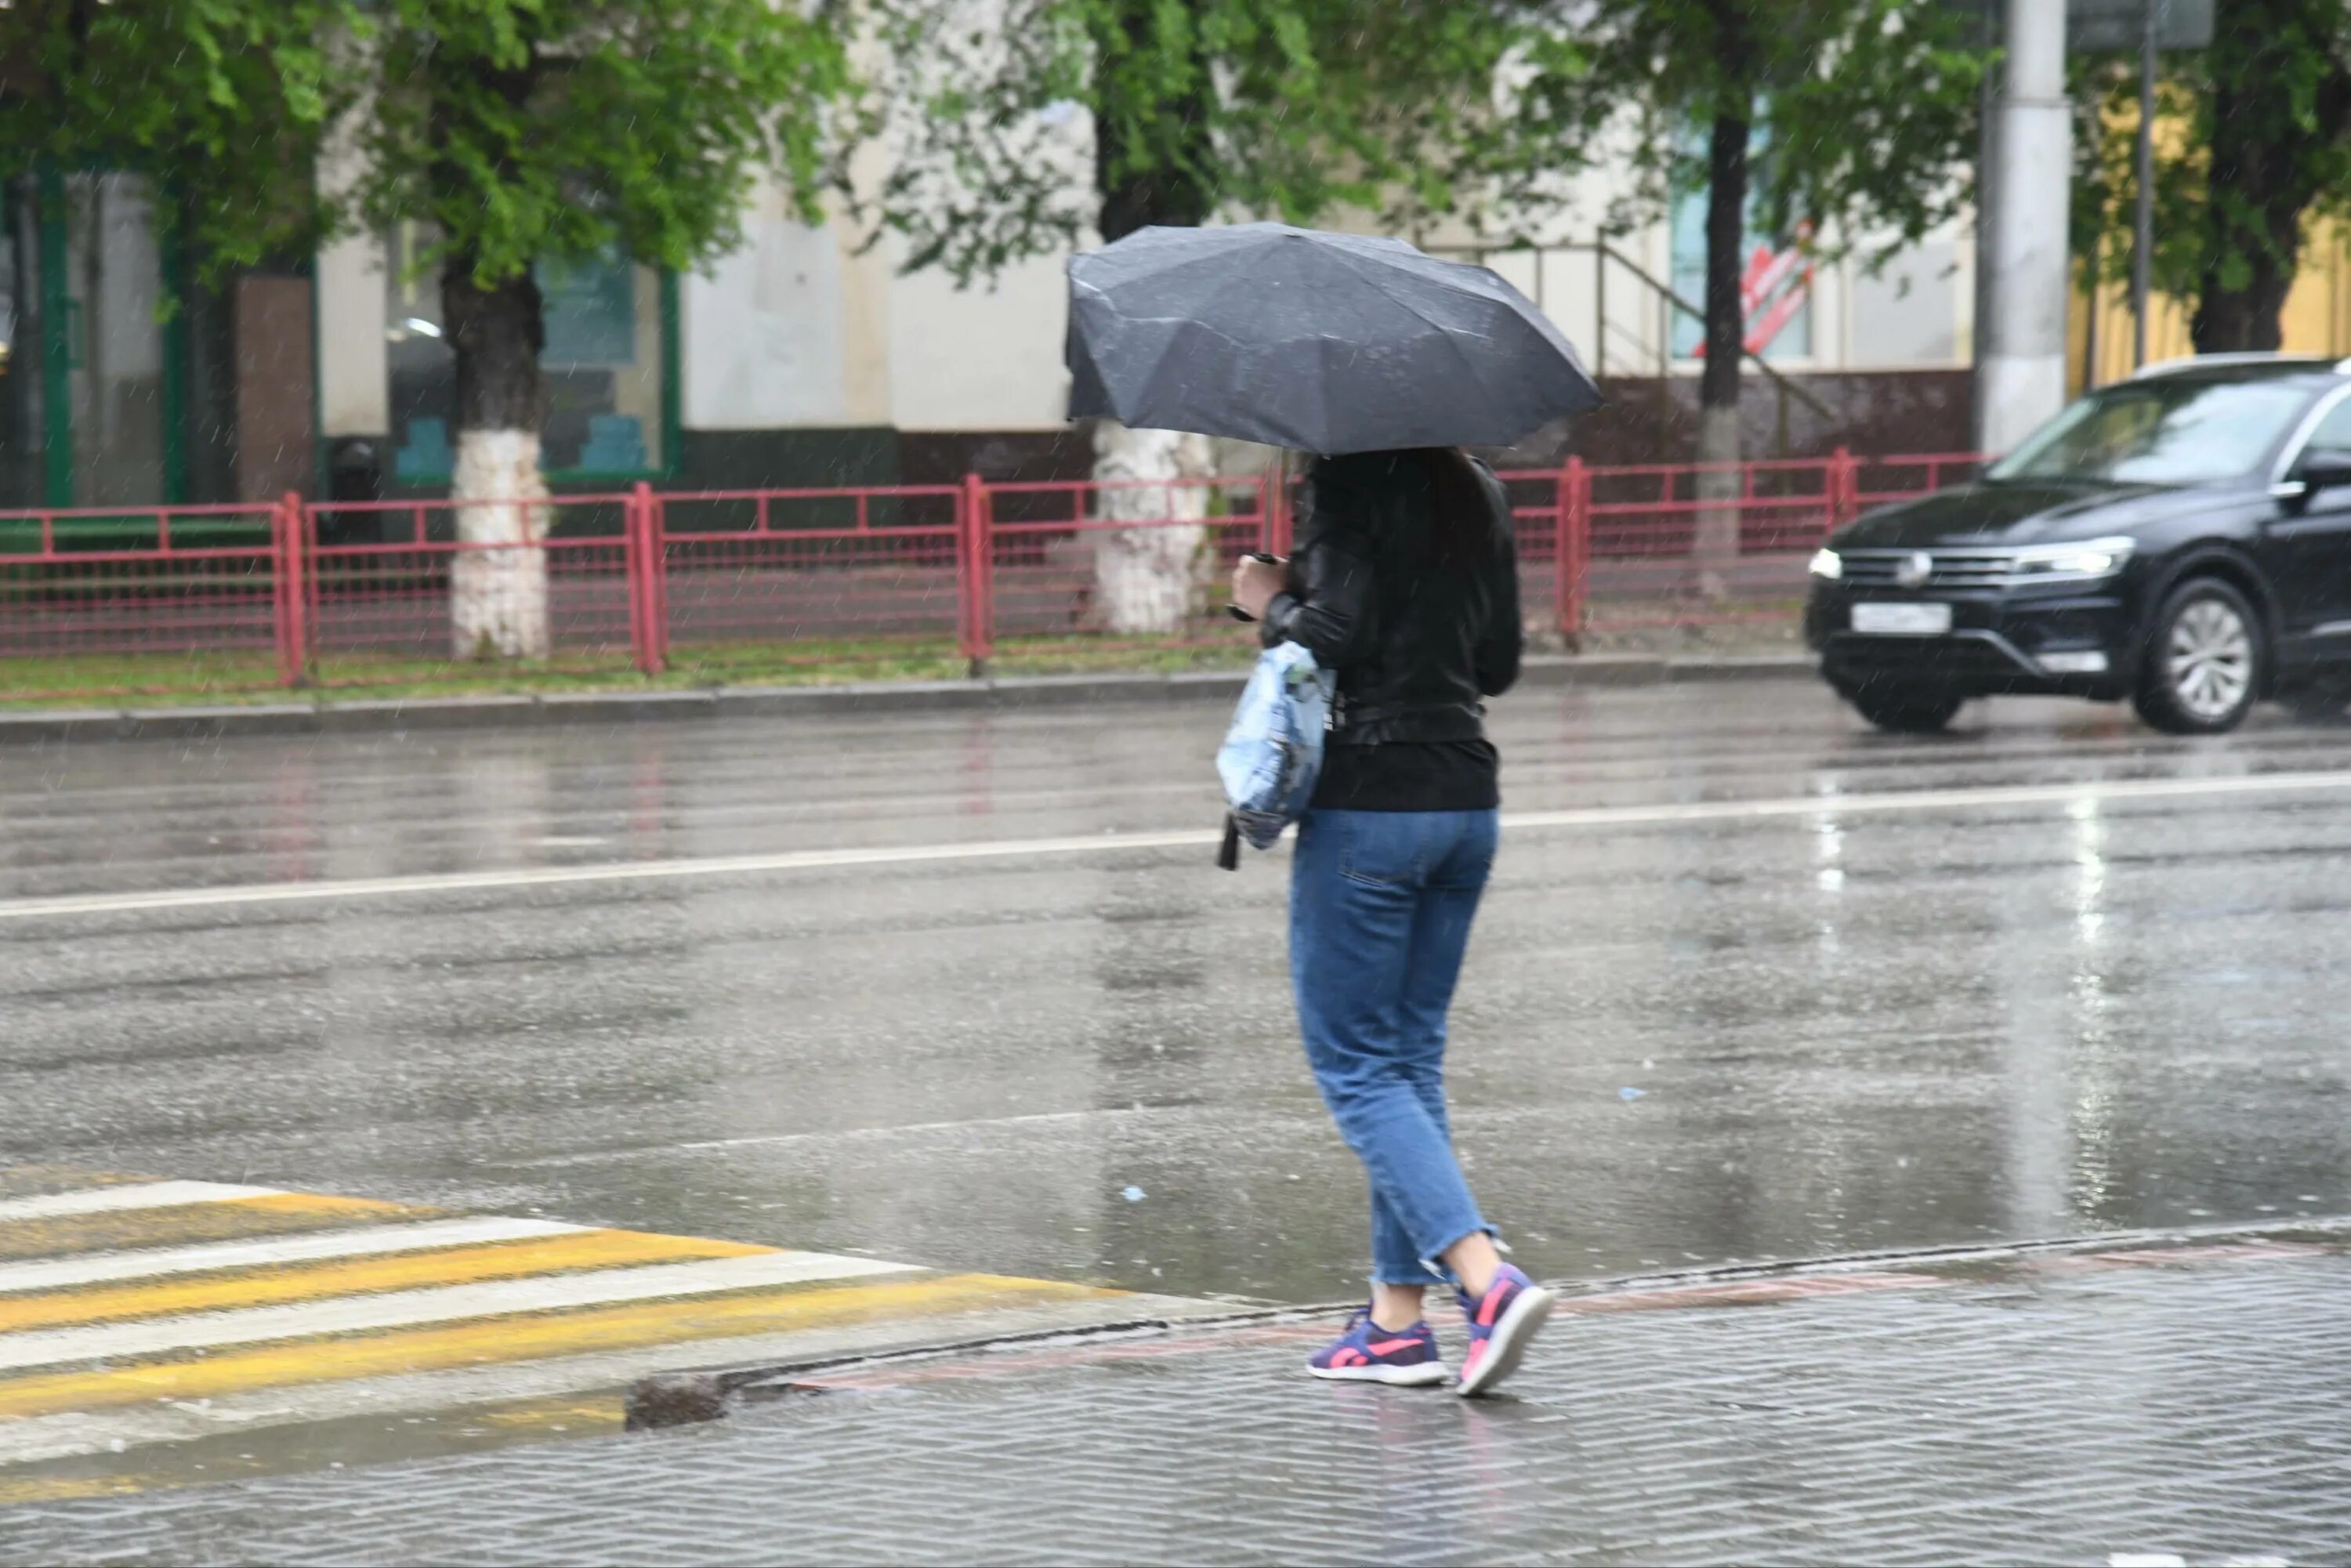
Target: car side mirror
{"type": "Point", "coordinates": [2324, 471]}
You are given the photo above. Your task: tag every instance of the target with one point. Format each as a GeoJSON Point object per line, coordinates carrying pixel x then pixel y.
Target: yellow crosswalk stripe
{"type": "Point", "coordinates": [84, 1270]}
{"type": "Point", "coordinates": [520, 1338]}
{"type": "Point", "coordinates": [317, 1282]}
{"type": "Point", "coordinates": [151, 1327]}
{"type": "Point", "coordinates": [65, 1489]}
{"type": "Point", "coordinates": [280, 1214]}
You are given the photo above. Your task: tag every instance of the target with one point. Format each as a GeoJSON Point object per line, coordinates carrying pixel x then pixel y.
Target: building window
{"type": "Point", "coordinates": [606, 363]}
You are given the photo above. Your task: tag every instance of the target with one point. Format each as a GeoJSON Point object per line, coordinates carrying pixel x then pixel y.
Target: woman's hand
{"type": "Point", "coordinates": [1255, 583]}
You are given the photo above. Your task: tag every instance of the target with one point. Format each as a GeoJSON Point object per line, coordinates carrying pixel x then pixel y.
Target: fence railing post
{"type": "Point", "coordinates": [1571, 549]}
{"type": "Point", "coordinates": [1844, 488]}
{"type": "Point", "coordinates": [645, 554]}
{"type": "Point", "coordinates": [282, 614]}
{"type": "Point", "coordinates": [975, 575]}
{"type": "Point", "coordinates": [290, 597]}
{"type": "Point", "coordinates": [657, 576]}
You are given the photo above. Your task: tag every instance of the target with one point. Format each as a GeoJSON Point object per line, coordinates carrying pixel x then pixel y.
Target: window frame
{"type": "Point", "coordinates": [2305, 430]}
{"type": "Point", "coordinates": [671, 414]}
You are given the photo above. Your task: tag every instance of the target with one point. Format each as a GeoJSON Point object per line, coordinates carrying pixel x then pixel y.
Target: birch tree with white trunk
{"type": "Point", "coordinates": [1150, 578]}
{"type": "Point", "coordinates": [1013, 129]}
{"type": "Point", "coordinates": [518, 132]}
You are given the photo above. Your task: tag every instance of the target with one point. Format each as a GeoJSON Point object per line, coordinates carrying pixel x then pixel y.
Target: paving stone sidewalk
{"type": "Point", "coordinates": [2142, 1403]}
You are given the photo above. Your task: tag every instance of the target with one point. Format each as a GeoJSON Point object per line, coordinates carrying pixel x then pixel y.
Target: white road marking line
{"type": "Point", "coordinates": [769, 1140]}
{"type": "Point", "coordinates": [440, 1304]}
{"type": "Point", "coordinates": [98, 1268]}
{"type": "Point", "coordinates": [72, 1434]}
{"type": "Point", "coordinates": [143, 1194]}
{"type": "Point", "coordinates": [1888, 802]}
{"type": "Point", "coordinates": [2088, 790]}
{"type": "Point", "coordinates": [558, 876]}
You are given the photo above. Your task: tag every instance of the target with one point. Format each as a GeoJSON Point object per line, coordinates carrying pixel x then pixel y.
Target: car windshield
{"type": "Point", "coordinates": [2182, 431]}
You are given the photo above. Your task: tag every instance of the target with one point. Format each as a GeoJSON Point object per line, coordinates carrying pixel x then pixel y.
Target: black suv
{"type": "Point", "coordinates": [2182, 538]}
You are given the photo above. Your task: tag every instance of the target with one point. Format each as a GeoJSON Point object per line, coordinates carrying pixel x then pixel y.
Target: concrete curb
{"type": "Point", "coordinates": [395, 716]}
{"type": "Point", "coordinates": [677, 1398]}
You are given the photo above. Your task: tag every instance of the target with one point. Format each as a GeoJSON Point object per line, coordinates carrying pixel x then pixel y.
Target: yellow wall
{"type": "Point", "coordinates": [2316, 319]}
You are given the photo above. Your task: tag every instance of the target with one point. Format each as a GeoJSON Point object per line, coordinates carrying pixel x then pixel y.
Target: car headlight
{"type": "Point", "coordinates": [2092, 558]}
{"type": "Point", "coordinates": [1829, 564]}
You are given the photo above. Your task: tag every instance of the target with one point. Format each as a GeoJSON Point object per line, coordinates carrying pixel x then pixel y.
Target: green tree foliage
{"type": "Point", "coordinates": [1870, 109]}
{"type": "Point", "coordinates": [223, 102]}
{"type": "Point", "coordinates": [529, 130]}
{"type": "Point", "coordinates": [1244, 107]}
{"type": "Point", "coordinates": [521, 131]}
{"type": "Point", "coordinates": [524, 130]}
{"type": "Point", "coordinates": [2254, 139]}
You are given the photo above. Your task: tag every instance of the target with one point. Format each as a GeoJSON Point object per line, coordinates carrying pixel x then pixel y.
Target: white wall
{"type": "Point", "coordinates": [764, 333]}
{"type": "Point", "coordinates": [982, 358]}
{"type": "Point", "coordinates": [782, 332]}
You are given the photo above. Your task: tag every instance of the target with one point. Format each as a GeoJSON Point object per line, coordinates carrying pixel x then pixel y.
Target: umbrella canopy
{"type": "Point", "coordinates": [1324, 342]}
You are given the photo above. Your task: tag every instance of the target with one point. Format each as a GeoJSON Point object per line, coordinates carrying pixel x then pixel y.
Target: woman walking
{"type": "Point", "coordinates": [1405, 582]}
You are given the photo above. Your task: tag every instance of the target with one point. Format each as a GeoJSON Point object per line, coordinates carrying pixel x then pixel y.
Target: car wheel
{"type": "Point", "coordinates": [2204, 661]}
{"type": "Point", "coordinates": [1905, 712]}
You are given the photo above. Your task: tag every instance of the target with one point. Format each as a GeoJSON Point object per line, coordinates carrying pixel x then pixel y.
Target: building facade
{"type": "Point", "coordinates": [808, 357]}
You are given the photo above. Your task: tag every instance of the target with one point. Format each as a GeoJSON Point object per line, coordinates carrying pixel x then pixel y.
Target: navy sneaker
{"type": "Point", "coordinates": [1502, 1323]}
{"type": "Point", "coordinates": [1367, 1353]}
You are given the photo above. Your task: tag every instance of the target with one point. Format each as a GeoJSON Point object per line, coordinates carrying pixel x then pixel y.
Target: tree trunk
{"type": "Point", "coordinates": [1715, 549]}
{"type": "Point", "coordinates": [2233, 319]}
{"type": "Point", "coordinates": [498, 594]}
{"type": "Point", "coordinates": [1141, 186]}
{"type": "Point", "coordinates": [1148, 580]}
{"type": "Point", "coordinates": [2262, 222]}
{"type": "Point", "coordinates": [2279, 106]}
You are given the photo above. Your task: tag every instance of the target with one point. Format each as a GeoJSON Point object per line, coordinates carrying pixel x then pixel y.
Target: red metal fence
{"type": "Point", "coordinates": [78, 583]}
{"type": "Point", "coordinates": [347, 592]}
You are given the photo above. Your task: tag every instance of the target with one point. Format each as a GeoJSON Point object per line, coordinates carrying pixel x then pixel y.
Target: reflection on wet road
{"type": "Point", "coordinates": [2087, 982]}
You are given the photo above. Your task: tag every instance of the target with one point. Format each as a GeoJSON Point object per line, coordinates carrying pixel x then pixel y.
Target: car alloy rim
{"type": "Point", "coordinates": [2211, 659]}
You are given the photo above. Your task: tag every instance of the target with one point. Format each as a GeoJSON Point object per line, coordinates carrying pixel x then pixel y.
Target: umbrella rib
{"type": "Point", "coordinates": [1573, 362]}
{"type": "Point", "coordinates": [1443, 332]}
{"type": "Point", "coordinates": [1146, 384]}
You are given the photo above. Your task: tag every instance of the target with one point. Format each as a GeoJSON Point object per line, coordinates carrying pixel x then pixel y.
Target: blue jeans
{"type": "Point", "coordinates": [1380, 907]}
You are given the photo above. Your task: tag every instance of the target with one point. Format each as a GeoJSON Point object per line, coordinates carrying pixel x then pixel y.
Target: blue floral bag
{"type": "Point", "coordinates": [1273, 750]}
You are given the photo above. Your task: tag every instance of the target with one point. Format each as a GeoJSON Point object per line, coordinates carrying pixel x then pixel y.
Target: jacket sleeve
{"type": "Point", "coordinates": [1329, 607]}
{"type": "Point", "coordinates": [1503, 642]}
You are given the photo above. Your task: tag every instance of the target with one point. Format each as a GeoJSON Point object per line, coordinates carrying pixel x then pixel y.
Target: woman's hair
{"type": "Point", "coordinates": [1465, 511]}
{"type": "Point", "coordinates": [1463, 534]}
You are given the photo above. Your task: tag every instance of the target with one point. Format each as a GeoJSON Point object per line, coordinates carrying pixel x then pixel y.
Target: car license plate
{"type": "Point", "coordinates": [1902, 619]}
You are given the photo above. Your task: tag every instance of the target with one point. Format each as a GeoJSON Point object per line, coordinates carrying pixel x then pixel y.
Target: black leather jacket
{"type": "Point", "coordinates": [1417, 641]}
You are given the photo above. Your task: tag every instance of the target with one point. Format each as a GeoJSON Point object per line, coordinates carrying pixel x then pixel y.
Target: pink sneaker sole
{"type": "Point", "coordinates": [1507, 1345]}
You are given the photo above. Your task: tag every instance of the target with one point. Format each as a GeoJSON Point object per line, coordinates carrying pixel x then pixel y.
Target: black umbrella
{"type": "Point", "coordinates": [1324, 342]}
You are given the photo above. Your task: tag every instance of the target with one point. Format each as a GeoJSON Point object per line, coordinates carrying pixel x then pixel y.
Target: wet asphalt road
{"type": "Point", "coordinates": [1991, 1017]}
